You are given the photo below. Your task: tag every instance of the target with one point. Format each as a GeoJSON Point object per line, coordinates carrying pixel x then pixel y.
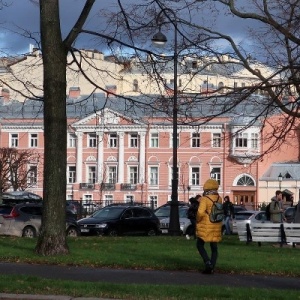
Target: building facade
{"type": "Point", "coordinates": [117, 153]}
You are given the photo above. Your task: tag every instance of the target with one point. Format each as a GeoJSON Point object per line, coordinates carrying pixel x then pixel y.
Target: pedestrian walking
{"type": "Point", "coordinates": [276, 208]}
{"type": "Point", "coordinates": [228, 214]}
{"type": "Point", "coordinates": [206, 231]}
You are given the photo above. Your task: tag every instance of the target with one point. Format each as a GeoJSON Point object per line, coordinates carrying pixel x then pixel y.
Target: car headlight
{"type": "Point", "coordinates": [103, 225]}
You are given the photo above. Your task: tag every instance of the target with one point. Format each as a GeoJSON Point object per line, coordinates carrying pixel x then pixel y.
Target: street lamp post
{"type": "Point", "coordinates": [160, 39]}
{"type": "Point", "coordinates": [280, 180]}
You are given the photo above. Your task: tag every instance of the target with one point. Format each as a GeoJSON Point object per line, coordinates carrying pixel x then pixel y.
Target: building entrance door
{"type": "Point", "coordinates": [248, 199]}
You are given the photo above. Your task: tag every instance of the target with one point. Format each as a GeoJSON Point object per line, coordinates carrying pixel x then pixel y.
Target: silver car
{"type": "Point", "coordinates": [185, 223]}
{"type": "Point", "coordinates": [26, 219]}
{"type": "Point", "coordinates": [248, 216]}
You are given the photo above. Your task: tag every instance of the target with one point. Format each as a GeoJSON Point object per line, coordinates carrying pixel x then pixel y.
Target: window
{"type": "Point", "coordinates": [196, 140]}
{"type": "Point", "coordinates": [113, 140]}
{"type": "Point", "coordinates": [14, 140]}
{"type": "Point", "coordinates": [87, 198]}
{"type": "Point", "coordinates": [92, 140]}
{"type": "Point", "coordinates": [33, 140]}
{"type": "Point", "coordinates": [171, 146]}
{"type": "Point", "coordinates": [195, 175]}
{"type": "Point", "coordinates": [135, 85]}
{"type": "Point", "coordinates": [72, 140]}
{"type": "Point", "coordinates": [133, 140]}
{"type": "Point", "coordinates": [32, 175]}
{"type": "Point", "coordinates": [254, 140]}
{"type": "Point", "coordinates": [245, 181]}
{"type": "Point", "coordinates": [129, 199]}
{"type": "Point", "coordinates": [133, 175]}
{"type": "Point", "coordinates": [154, 140]}
{"type": "Point", "coordinates": [91, 174]}
{"type": "Point", "coordinates": [241, 140]}
{"type": "Point", "coordinates": [71, 174]}
{"type": "Point", "coordinates": [108, 200]}
{"type": "Point", "coordinates": [153, 176]}
{"type": "Point", "coordinates": [216, 174]}
{"type": "Point", "coordinates": [153, 201]}
{"type": "Point", "coordinates": [216, 140]}
{"type": "Point", "coordinates": [112, 174]}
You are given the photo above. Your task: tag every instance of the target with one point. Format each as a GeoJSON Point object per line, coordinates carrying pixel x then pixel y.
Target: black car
{"type": "Point", "coordinates": [120, 220]}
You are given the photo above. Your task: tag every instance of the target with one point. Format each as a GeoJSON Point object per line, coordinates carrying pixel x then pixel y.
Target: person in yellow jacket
{"type": "Point", "coordinates": [207, 231]}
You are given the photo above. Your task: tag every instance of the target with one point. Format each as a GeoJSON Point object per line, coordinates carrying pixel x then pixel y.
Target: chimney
{"type": "Point", "coordinates": [74, 92]}
{"type": "Point", "coordinates": [5, 94]}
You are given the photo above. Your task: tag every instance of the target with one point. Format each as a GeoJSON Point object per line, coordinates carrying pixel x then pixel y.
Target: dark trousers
{"type": "Point", "coordinates": [203, 253]}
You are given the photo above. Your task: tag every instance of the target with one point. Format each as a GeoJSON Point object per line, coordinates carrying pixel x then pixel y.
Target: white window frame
{"type": "Point", "coordinates": [113, 140]}
{"type": "Point", "coordinates": [72, 140]}
{"type": "Point", "coordinates": [254, 140]}
{"type": "Point", "coordinates": [32, 175]}
{"type": "Point", "coordinates": [129, 198]}
{"type": "Point", "coordinates": [216, 140]}
{"type": "Point", "coordinates": [241, 140]}
{"type": "Point", "coordinates": [71, 174]}
{"type": "Point", "coordinates": [133, 174]}
{"type": "Point", "coordinates": [216, 172]}
{"type": "Point", "coordinates": [92, 140]}
{"type": "Point", "coordinates": [112, 172]}
{"type": "Point", "coordinates": [33, 143]}
{"type": "Point", "coordinates": [195, 176]}
{"type": "Point", "coordinates": [133, 140]}
{"type": "Point", "coordinates": [153, 200]}
{"type": "Point", "coordinates": [14, 140]}
{"type": "Point", "coordinates": [195, 140]}
{"type": "Point", "coordinates": [92, 174]}
{"type": "Point", "coordinates": [153, 176]}
{"type": "Point", "coordinates": [108, 199]}
{"type": "Point", "coordinates": [154, 140]}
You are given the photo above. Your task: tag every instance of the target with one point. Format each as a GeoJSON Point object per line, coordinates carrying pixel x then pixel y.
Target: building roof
{"type": "Point", "coordinates": [288, 170]}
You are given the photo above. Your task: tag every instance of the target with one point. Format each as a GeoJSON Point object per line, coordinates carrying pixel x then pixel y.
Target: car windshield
{"type": "Point", "coordinates": [108, 213]}
{"type": "Point", "coordinates": [163, 211]}
{"type": "Point", "coordinates": [183, 212]}
{"type": "Point", "coordinates": [243, 216]}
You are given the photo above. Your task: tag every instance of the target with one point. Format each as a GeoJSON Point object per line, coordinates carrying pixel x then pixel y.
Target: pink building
{"type": "Point", "coordinates": [123, 152]}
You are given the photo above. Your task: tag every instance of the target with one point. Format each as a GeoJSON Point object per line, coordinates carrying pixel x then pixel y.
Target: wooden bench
{"type": "Point", "coordinates": [281, 233]}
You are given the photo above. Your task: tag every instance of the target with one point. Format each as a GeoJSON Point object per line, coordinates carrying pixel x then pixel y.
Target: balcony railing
{"type": "Point", "coordinates": [87, 186]}
{"type": "Point", "coordinates": [128, 187]}
{"type": "Point", "coordinates": [108, 186]}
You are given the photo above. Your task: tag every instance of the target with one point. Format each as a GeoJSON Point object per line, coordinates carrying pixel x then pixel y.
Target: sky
{"type": "Point", "coordinates": [23, 15]}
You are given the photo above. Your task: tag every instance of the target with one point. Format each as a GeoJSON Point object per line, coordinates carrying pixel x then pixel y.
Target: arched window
{"type": "Point", "coordinates": [245, 181]}
{"type": "Point", "coordinates": [220, 87]}
{"type": "Point", "coordinates": [135, 85]}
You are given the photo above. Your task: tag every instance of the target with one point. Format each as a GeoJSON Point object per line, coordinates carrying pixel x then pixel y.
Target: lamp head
{"type": "Point", "coordinates": [159, 39]}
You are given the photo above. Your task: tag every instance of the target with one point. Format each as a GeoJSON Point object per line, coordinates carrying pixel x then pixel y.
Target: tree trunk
{"type": "Point", "coordinates": [52, 239]}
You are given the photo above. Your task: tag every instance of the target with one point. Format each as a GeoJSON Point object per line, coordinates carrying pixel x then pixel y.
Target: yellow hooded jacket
{"type": "Point", "coordinates": [207, 231]}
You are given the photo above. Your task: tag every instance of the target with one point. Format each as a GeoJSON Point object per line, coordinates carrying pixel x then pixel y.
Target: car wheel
{"type": "Point", "coordinates": [151, 232]}
{"type": "Point", "coordinates": [112, 232]}
{"type": "Point", "coordinates": [29, 231]}
{"type": "Point", "coordinates": [72, 231]}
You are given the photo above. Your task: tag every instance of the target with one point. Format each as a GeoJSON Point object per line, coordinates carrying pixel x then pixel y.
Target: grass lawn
{"type": "Point", "coordinates": [158, 253]}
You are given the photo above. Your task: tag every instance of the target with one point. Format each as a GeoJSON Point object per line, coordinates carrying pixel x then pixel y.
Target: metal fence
{"type": "Point", "coordinates": [85, 208]}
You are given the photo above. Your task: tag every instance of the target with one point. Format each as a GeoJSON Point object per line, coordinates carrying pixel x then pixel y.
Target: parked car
{"type": "Point", "coordinates": [163, 211]}
{"type": "Point", "coordinates": [289, 214]}
{"type": "Point", "coordinates": [5, 209]}
{"type": "Point", "coordinates": [185, 223]}
{"type": "Point", "coordinates": [236, 208]}
{"type": "Point", "coordinates": [25, 220]}
{"type": "Point", "coordinates": [249, 216]}
{"type": "Point", "coordinates": [120, 220]}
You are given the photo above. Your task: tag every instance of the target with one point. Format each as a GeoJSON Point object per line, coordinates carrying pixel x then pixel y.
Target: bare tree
{"type": "Point", "coordinates": [15, 170]}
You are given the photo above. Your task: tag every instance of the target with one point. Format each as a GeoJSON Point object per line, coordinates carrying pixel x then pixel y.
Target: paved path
{"type": "Point", "coordinates": [145, 277]}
